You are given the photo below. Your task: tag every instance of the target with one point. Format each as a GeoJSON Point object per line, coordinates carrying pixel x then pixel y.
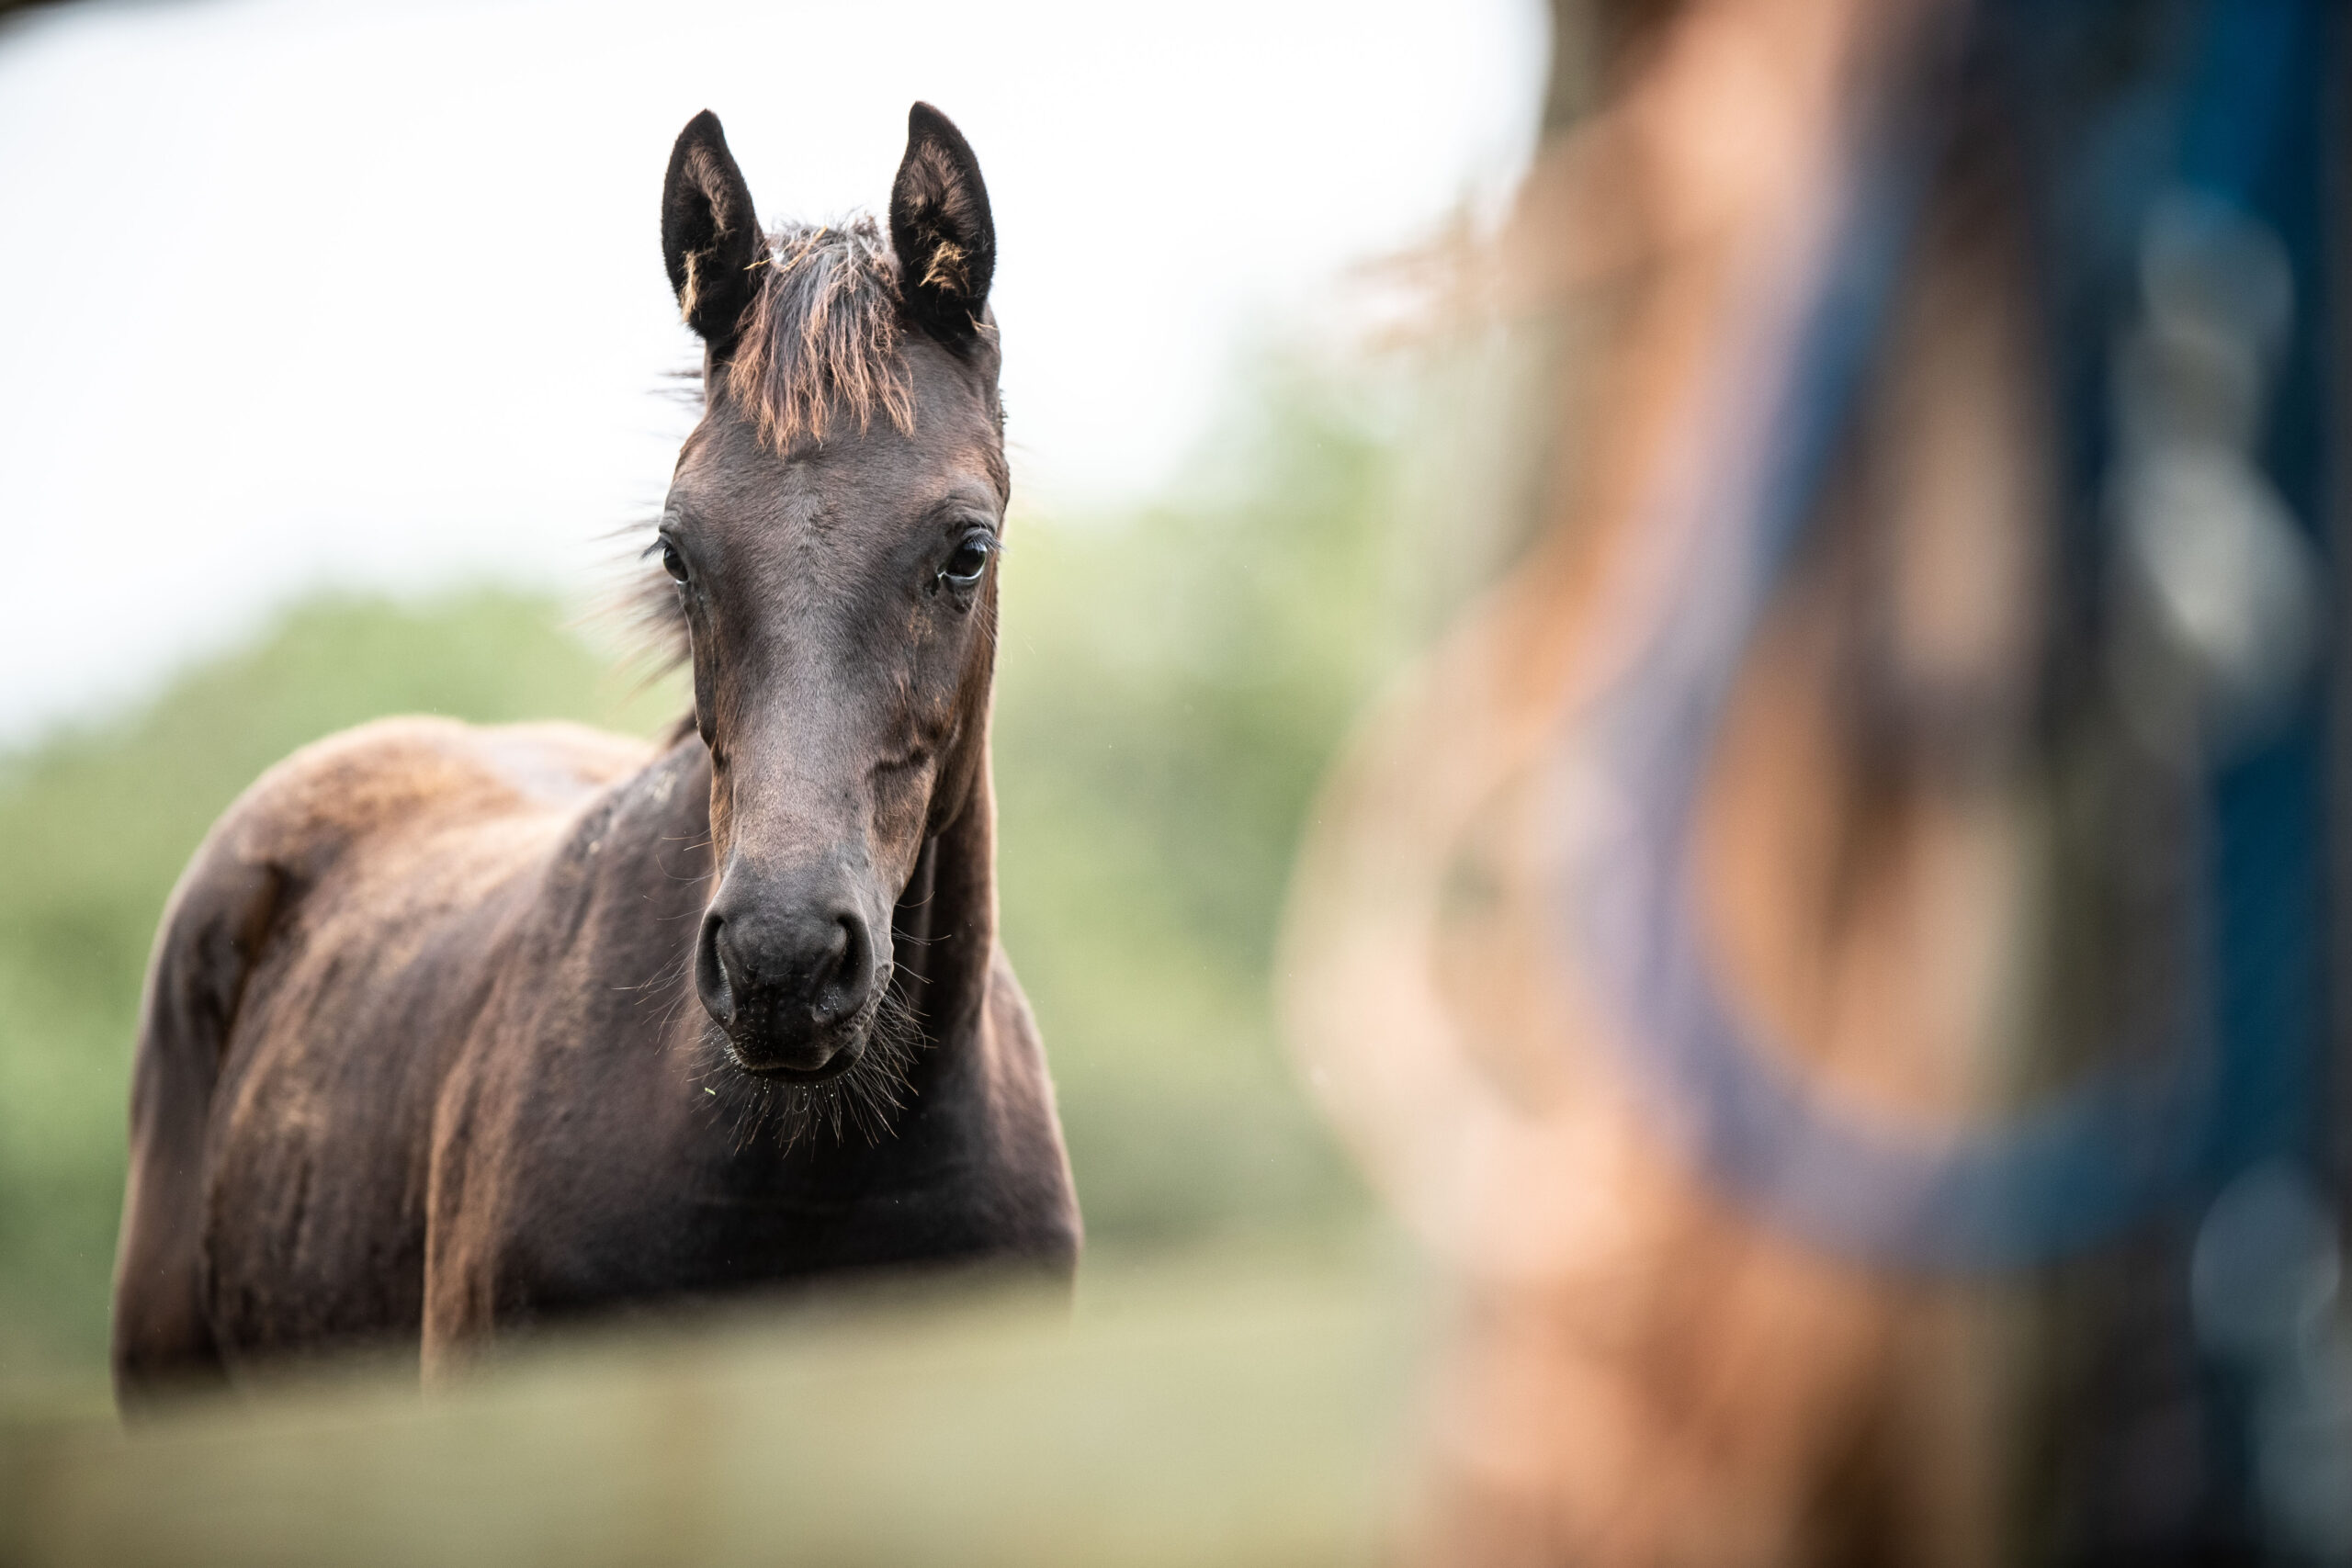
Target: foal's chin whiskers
{"type": "Point", "coordinates": [864, 1100]}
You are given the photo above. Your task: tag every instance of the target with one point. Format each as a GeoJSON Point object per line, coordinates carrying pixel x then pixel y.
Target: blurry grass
{"type": "Point", "coordinates": [1170, 687]}
{"type": "Point", "coordinates": [1237, 1410]}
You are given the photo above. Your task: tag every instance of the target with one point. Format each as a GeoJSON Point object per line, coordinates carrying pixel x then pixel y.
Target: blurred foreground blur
{"type": "Point", "coordinates": [1242, 1414]}
{"type": "Point", "coordinates": [1835, 949]}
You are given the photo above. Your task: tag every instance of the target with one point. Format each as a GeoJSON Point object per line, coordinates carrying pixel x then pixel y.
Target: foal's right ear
{"type": "Point", "coordinates": [940, 227]}
{"type": "Point", "coordinates": [710, 241]}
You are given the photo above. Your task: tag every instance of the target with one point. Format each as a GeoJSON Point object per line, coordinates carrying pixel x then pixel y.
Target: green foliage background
{"type": "Point", "coordinates": [1170, 687]}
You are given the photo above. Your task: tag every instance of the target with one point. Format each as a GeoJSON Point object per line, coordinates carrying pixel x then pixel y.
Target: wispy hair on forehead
{"type": "Point", "coordinates": [821, 337]}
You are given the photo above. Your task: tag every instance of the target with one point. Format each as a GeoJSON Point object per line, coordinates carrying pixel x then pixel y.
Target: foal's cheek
{"type": "Point", "coordinates": [706, 697]}
{"type": "Point", "coordinates": [900, 813]}
{"type": "Point", "coordinates": [722, 817]}
{"type": "Point", "coordinates": [901, 805]}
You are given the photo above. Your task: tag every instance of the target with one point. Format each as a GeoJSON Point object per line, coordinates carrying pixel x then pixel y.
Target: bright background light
{"type": "Point", "coordinates": [300, 295]}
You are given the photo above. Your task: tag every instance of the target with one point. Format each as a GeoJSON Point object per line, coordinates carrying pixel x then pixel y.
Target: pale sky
{"type": "Point", "coordinates": [369, 294]}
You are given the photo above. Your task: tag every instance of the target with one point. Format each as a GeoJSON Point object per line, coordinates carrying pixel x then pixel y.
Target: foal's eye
{"type": "Point", "coordinates": [672, 562]}
{"type": "Point", "coordinates": [970, 559]}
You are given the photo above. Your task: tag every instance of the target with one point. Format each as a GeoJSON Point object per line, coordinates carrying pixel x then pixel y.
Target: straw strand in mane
{"type": "Point", "coordinates": [822, 334]}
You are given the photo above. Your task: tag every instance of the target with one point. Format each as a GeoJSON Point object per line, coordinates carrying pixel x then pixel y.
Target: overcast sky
{"type": "Point", "coordinates": [298, 294]}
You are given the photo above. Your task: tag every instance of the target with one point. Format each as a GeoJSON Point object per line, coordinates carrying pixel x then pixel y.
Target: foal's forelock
{"type": "Point", "coordinates": [821, 338]}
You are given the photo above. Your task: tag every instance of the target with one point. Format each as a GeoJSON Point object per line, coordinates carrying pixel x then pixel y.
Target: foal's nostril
{"type": "Point", "coordinates": [713, 976]}
{"type": "Point", "coordinates": [842, 990]}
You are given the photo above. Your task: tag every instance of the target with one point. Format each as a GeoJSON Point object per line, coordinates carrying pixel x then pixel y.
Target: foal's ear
{"type": "Point", "coordinates": [940, 228]}
{"type": "Point", "coordinates": [710, 241]}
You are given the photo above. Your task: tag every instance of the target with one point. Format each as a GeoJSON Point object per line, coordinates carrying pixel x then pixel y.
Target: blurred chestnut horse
{"type": "Point", "coordinates": [451, 1030]}
{"type": "Point", "coordinates": [1645, 1372]}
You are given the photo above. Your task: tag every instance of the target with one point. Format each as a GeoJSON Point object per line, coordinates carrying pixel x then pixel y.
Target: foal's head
{"type": "Point", "coordinates": [832, 531]}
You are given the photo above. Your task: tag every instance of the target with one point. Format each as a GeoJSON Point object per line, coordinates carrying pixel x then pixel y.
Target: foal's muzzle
{"type": "Point", "coordinates": [790, 972]}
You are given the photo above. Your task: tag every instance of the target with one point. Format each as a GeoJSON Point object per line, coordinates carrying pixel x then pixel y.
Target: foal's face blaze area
{"type": "Point", "coordinates": [841, 601]}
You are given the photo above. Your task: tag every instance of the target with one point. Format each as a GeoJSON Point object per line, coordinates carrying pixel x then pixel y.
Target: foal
{"type": "Point", "coordinates": [450, 1030]}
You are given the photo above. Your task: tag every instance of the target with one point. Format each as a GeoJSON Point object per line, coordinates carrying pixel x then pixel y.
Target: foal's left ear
{"type": "Point", "coordinates": [709, 238]}
{"type": "Point", "coordinates": [940, 228]}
